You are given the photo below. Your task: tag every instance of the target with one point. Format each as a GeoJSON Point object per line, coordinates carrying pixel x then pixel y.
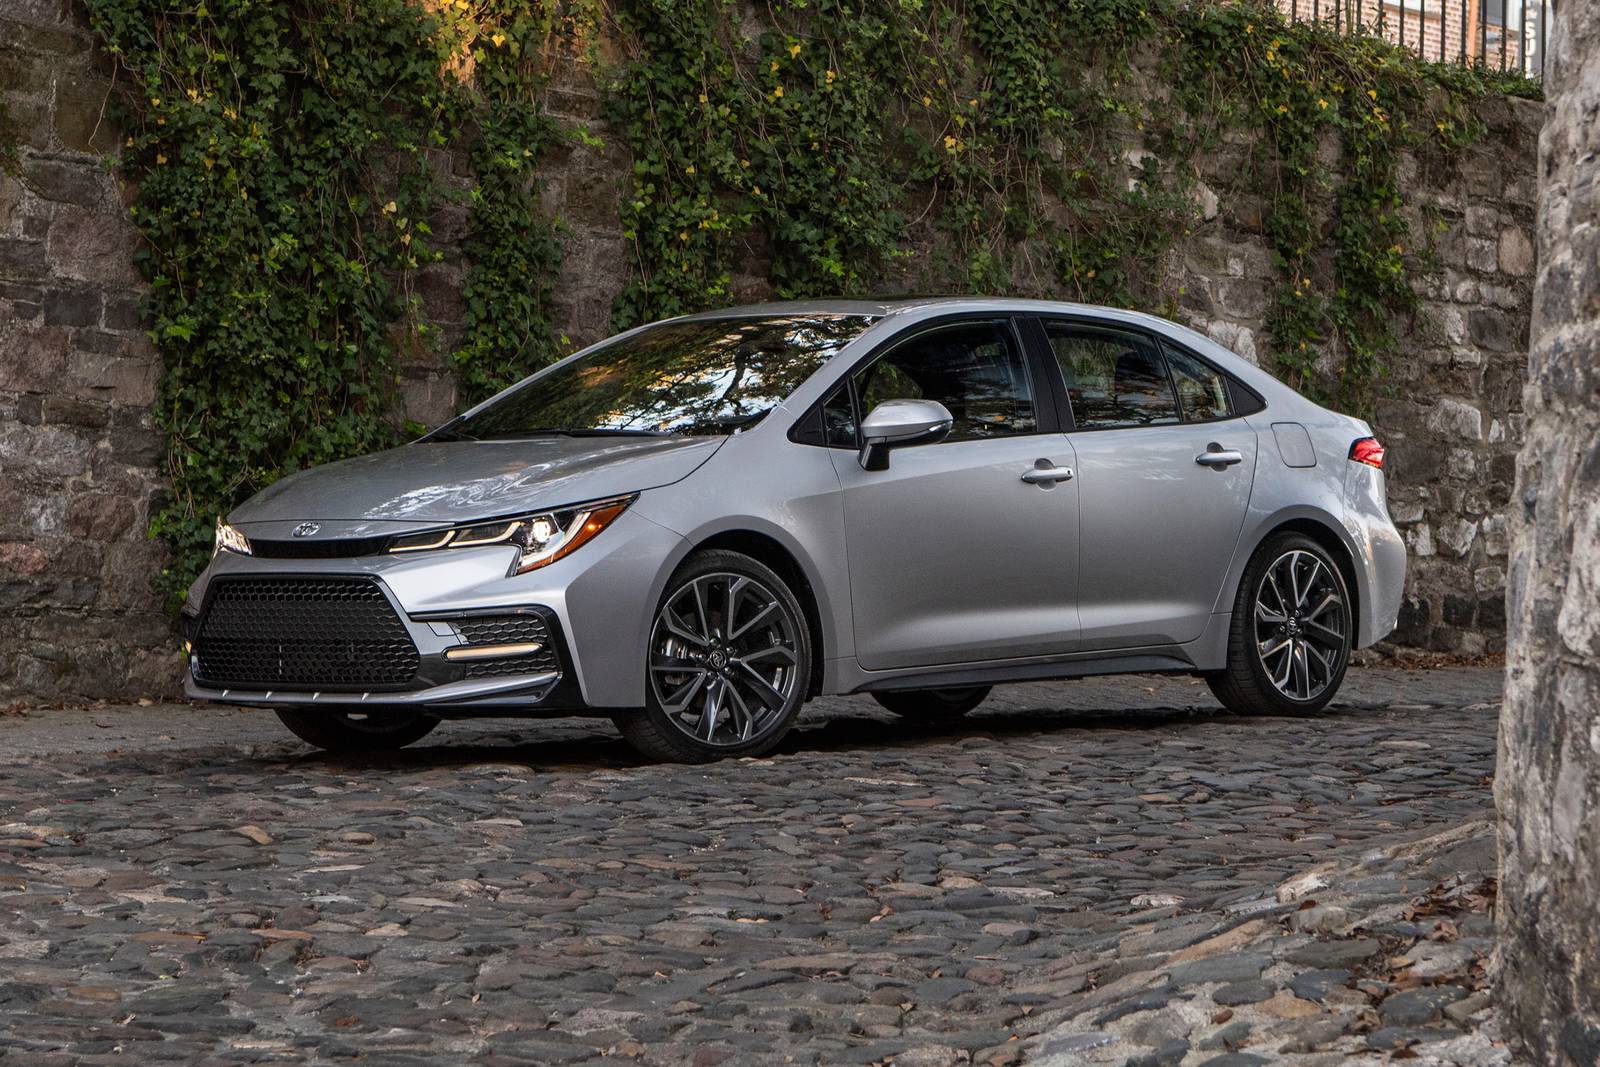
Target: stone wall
{"type": "Point", "coordinates": [1548, 786]}
{"type": "Point", "coordinates": [79, 465]}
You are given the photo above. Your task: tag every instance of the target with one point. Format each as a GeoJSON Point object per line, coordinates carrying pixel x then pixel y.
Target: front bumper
{"type": "Point", "coordinates": [597, 604]}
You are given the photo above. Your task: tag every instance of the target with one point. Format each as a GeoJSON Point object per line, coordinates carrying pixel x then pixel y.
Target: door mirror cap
{"type": "Point", "coordinates": [901, 424]}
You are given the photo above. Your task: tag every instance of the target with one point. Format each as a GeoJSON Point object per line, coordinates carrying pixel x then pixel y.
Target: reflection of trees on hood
{"type": "Point", "coordinates": [696, 377]}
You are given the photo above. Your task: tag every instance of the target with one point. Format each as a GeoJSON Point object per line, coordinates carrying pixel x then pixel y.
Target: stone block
{"type": "Point", "coordinates": [22, 258]}
{"type": "Point", "coordinates": [32, 358]}
{"type": "Point", "coordinates": [1516, 252]}
{"type": "Point", "coordinates": [123, 379]}
{"type": "Point", "coordinates": [122, 311]}
{"type": "Point", "coordinates": [80, 121]}
{"type": "Point", "coordinates": [22, 71]}
{"type": "Point", "coordinates": [62, 182]}
{"type": "Point", "coordinates": [69, 411]}
{"type": "Point", "coordinates": [1456, 417]}
{"type": "Point", "coordinates": [1483, 254]}
{"type": "Point", "coordinates": [1496, 331]}
{"type": "Point", "coordinates": [134, 439]}
{"type": "Point", "coordinates": [36, 36]}
{"type": "Point", "coordinates": [91, 246]}
{"type": "Point", "coordinates": [99, 516]}
{"type": "Point", "coordinates": [1482, 221]}
{"type": "Point", "coordinates": [71, 307]}
{"type": "Point", "coordinates": [49, 452]}
{"type": "Point", "coordinates": [1457, 536]}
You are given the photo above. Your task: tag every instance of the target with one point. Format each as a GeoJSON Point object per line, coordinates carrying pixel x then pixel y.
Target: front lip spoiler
{"type": "Point", "coordinates": [452, 693]}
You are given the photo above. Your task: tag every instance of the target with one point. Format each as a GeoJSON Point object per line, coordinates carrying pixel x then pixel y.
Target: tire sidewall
{"type": "Point", "coordinates": [724, 561]}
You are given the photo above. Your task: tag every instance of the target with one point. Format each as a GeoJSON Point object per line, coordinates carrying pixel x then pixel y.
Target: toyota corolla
{"type": "Point", "coordinates": [696, 526]}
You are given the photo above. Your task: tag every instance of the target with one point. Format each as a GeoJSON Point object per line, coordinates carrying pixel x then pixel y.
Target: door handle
{"type": "Point", "coordinates": [1046, 474]}
{"type": "Point", "coordinates": [1216, 457]}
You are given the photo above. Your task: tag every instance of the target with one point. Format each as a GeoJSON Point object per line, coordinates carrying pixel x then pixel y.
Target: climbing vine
{"type": "Point", "coordinates": [291, 160]}
{"type": "Point", "coordinates": [1030, 147]}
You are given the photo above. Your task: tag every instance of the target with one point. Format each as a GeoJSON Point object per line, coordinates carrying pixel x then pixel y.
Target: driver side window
{"type": "Point", "coordinates": [975, 369]}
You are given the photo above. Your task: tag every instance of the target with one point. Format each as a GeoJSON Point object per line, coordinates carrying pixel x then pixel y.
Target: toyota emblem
{"type": "Point", "coordinates": [307, 529]}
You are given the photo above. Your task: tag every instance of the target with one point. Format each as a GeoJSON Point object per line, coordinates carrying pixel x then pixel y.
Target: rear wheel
{"type": "Point", "coordinates": [1292, 630]}
{"type": "Point", "coordinates": [730, 662]}
{"type": "Point", "coordinates": [933, 704]}
{"type": "Point", "coordinates": [350, 732]}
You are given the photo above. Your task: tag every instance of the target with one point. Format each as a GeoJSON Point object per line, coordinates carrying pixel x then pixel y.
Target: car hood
{"type": "Point", "coordinates": [445, 482]}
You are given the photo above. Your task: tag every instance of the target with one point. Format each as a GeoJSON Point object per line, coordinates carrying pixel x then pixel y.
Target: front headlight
{"type": "Point", "coordinates": [540, 539]}
{"type": "Point", "coordinates": [230, 540]}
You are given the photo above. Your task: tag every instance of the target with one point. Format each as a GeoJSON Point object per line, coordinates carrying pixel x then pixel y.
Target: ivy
{"type": "Point", "coordinates": [286, 155]}
{"type": "Point", "coordinates": [281, 152]}
{"type": "Point", "coordinates": [510, 245]}
{"type": "Point", "coordinates": [1035, 146]}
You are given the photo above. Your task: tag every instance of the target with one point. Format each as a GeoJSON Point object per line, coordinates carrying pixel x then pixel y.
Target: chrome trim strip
{"type": "Point", "coordinates": [521, 648]}
{"type": "Point", "coordinates": [444, 539]}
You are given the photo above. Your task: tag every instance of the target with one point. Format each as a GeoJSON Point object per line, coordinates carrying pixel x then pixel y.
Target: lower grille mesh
{"type": "Point", "coordinates": [323, 633]}
{"type": "Point", "coordinates": [508, 630]}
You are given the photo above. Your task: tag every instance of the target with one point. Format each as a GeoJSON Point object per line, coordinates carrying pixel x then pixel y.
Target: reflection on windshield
{"type": "Point", "coordinates": [704, 376]}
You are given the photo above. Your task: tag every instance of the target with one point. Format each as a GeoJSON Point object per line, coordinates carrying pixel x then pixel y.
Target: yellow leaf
{"type": "Point", "coordinates": [160, 159]}
{"type": "Point", "coordinates": [498, 39]}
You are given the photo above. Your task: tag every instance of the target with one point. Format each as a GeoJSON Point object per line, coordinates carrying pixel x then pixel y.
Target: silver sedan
{"type": "Point", "coordinates": [696, 526]}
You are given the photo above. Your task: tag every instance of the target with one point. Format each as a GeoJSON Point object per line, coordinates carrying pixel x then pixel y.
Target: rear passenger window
{"type": "Point", "coordinates": [1114, 378]}
{"type": "Point", "coordinates": [1202, 390]}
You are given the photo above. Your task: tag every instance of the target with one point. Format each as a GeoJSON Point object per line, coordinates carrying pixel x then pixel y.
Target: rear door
{"type": "Point", "coordinates": [1165, 468]}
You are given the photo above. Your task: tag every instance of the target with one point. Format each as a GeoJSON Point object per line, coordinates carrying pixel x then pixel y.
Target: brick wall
{"type": "Point", "coordinates": [80, 466]}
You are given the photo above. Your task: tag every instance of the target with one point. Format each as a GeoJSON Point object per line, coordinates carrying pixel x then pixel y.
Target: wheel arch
{"type": "Point", "coordinates": [767, 549]}
{"type": "Point", "coordinates": [1331, 537]}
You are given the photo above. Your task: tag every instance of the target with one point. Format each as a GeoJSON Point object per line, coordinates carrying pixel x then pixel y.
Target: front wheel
{"type": "Point", "coordinates": [729, 663]}
{"type": "Point", "coordinates": [353, 732]}
{"type": "Point", "coordinates": [935, 705]}
{"type": "Point", "coordinates": [1291, 633]}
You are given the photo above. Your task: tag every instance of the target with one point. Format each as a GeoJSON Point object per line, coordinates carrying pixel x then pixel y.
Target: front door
{"type": "Point", "coordinates": [954, 558]}
{"type": "Point", "coordinates": [1164, 477]}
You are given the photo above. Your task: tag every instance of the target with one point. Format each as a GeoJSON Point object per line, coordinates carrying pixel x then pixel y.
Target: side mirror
{"type": "Point", "coordinates": [901, 424]}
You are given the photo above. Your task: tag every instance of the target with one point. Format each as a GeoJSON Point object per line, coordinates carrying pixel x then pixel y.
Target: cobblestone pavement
{"type": "Point", "coordinates": [1083, 872]}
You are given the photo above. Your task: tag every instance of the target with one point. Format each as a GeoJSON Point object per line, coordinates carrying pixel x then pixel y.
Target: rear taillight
{"type": "Point", "coordinates": [1368, 451]}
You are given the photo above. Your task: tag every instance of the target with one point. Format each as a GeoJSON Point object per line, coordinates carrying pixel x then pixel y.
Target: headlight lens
{"type": "Point", "coordinates": [230, 540]}
{"type": "Point", "coordinates": [540, 539]}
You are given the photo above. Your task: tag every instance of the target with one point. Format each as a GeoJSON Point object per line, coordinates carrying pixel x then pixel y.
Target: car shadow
{"type": "Point", "coordinates": [556, 746]}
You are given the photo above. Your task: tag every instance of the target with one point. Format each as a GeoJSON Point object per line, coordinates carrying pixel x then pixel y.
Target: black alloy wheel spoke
{"type": "Point", "coordinates": [724, 658]}
{"type": "Point", "coordinates": [1302, 635]}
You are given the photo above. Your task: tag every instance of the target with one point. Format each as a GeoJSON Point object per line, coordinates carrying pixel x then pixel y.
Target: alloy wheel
{"type": "Point", "coordinates": [724, 659]}
{"type": "Point", "coordinates": [1301, 625]}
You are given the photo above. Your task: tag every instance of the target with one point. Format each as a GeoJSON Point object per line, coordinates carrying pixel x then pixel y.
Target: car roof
{"type": "Point", "coordinates": [890, 309]}
{"type": "Point", "coordinates": [904, 305]}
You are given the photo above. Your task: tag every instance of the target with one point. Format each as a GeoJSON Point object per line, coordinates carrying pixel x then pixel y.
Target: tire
{"type": "Point", "coordinates": [933, 705]}
{"type": "Point", "coordinates": [345, 733]}
{"type": "Point", "coordinates": [1287, 658]}
{"type": "Point", "coordinates": [721, 682]}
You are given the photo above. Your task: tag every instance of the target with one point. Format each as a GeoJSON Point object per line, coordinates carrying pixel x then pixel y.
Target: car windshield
{"type": "Point", "coordinates": [697, 376]}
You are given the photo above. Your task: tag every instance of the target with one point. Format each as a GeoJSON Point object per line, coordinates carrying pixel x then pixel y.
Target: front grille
{"type": "Point", "coordinates": [508, 630]}
{"type": "Point", "coordinates": [318, 633]}
{"type": "Point", "coordinates": [333, 548]}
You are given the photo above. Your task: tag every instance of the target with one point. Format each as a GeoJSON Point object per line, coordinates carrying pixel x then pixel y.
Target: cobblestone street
{"type": "Point", "coordinates": [1081, 872]}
